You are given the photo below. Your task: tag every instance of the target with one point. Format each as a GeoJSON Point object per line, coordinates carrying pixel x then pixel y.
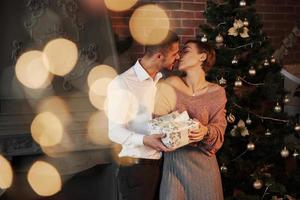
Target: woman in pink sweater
{"type": "Point", "coordinates": [192, 172]}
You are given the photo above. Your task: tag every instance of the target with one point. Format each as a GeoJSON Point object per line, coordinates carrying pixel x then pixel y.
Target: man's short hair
{"type": "Point", "coordinates": [164, 45]}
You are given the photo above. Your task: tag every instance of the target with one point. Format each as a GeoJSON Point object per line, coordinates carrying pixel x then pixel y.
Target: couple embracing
{"type": "Point", "coordinates": [190, 172]}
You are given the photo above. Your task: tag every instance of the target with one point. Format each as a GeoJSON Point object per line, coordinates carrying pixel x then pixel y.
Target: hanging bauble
{"type": "Point", "coordinates": [223, 168]}
{"type": "Point", "coordinates": [277, 108]}
{"type": "Point", "coordinates": [273, 60]}
{"type": "Point", "coordinates": [246, 22]}
{"type": "Point", "coordinates": [204, 38]}
{"type": "Point", "coordinates": [257, 184]}
{"type": "Point", "coordinates": [234, 132]}
{"type": "Point", "coordinates": [297, 127]}
{"type": "Point", "coordinates": [248, 121]}
{"type": "Point", "coordinates": [252, 71]}
{"type": "Point", "coordinates": [268, 133]}
{"type": "Point", "coordinates": [243, 3]}
{"type": "Point", "coordinates": [295, 154]}
{"type": "Point", "coordinates": [222, 81]}
{"type": "Point", "coordinates": [266, 63]}
{"type": "Point", "coordinates": [284, 152]}
{"type": "Point", "coordinates": [234, 60]}
{"type": "Point", "coordinates": [238, 82]}
{"type": "Point", "coordinates": [230, 118]}
{"type": "Point", "coordinates": [219, 38]}
{"type": "Point", "coordinates": [286, 99]}
{"type": "Point", "coordinates": [250, 146]}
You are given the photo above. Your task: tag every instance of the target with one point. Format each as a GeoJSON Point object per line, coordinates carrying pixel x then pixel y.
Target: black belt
{"type": "Point", "coordinates": [124, 161]}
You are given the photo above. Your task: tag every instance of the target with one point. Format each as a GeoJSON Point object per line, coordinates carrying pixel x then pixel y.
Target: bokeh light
{"type": "Point", "coordinates": [98, 80]}
{"type": "Point", "coordinates": [31, 71]}
{"type": "Point", "coordinates": [98, 101]}
{"type": "Point", "coordinates": [99, 72]}
{"type": "Point", "coordinates": [47, 129]}
{"type": "Point", "coordinates": [165, 99]}
{"type": "Point", "coordinates": [58, 107]}
{"type": "Point", "coordinates": [60, 56]}
{"type": "Point", "coordinates": [99, 87]}
{"type": "Point", "coordinates": [121, 101]}
{"type": "Point", "coordinates": [119, 5]}
{"type": "Point", "coordinates": [97, 128]}
{"type": "Point", "coordinates": [6, 173]}
{"type": "Point", "coordinates": [149, 24]}
{"type": "Point", "coordinates": [44, 179]}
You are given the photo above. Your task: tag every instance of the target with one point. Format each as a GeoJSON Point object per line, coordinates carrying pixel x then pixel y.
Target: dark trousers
{"type": "Point", "coordinates": [139, 181]}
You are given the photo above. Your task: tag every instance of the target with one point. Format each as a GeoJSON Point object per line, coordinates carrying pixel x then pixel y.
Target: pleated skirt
{"type": "Point", "coordinates": [189, 174]}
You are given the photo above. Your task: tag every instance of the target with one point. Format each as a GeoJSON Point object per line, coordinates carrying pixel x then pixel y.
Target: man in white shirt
{"type": "Point", "coordinates": [130, 107]}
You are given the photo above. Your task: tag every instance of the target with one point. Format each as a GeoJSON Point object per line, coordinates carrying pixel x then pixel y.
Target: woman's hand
{"type": "Point", "coordinates": [198, 136]}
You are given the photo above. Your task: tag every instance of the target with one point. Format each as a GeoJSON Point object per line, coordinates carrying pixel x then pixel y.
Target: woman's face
{"type": "Point", "coordinates": [190, 57]}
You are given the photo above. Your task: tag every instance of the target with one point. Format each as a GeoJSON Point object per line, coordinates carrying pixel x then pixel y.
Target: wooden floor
{"type": "Point", "coordinates": [96, 183]}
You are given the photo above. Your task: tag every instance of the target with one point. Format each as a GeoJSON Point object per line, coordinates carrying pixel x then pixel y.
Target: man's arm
{"type": "Point", "coordinates": [122, 107]}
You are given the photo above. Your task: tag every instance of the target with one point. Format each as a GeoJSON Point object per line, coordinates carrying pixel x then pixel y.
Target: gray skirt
{"type": "Point", "coordinates": [189, 174]}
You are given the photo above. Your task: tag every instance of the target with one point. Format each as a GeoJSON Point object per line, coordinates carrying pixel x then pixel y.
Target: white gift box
{"type": "Point", "coordinates": [175, 126]}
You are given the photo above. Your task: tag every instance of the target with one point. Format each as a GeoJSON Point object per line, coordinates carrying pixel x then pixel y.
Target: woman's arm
{"type": "Point", "coordinates": [214, 138]}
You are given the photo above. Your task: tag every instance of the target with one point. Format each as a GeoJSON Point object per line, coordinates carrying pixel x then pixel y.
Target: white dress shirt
{"type": "Point", "coordinates": [130, 106]}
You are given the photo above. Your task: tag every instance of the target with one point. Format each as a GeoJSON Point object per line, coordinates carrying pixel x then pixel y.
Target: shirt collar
{"type": "Point", "coordinates": [142, 73]}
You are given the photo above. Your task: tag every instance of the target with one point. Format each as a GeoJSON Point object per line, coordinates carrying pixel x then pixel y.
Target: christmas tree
{"type": "Point", "coordinates": [259, 158]}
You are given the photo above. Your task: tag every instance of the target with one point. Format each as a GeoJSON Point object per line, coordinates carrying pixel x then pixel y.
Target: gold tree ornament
{"type": "Point", "coordinates": [239, 29]}
{"type": "Point", "coordinates": [273, 60]}
{"type": "Point", "coordinates": [286, 99]}
{"type": "Point", "coordinates": [277, 108]}
{"type": "Point", "coordinates": [297, 127]}
{"type": "Point", "coordinates": [266, 63]}
{"type": "Point", "coordinates": [234, 60]}
{"type": "Point", "coordinates": [222, 81]}
{"type": "Point", "coordinates": [284, 152]}
{"type": "Point", "coordinates": [295, 154]}
{"type": "Point", "coordinates": [238, 82]}
{"type": "Point", "coordinates": [246, 22]}
{"type": "Point", "coordinates": [219, 38]}
{"type": "Point", "coordinates": [243, 3]}
{"type": "Point", "coordinates": [252, 71]}
{"type": "Point", "coordinates": [223, 168]}
{"type": "Point", "coordinates": [230, 118]}
{"type": "Point", "coordinates": [268, 133]}
{"type": "Point", "coordinates": [248, 120]}
{"type": "Point", "coordinates": [258, 184]}
{"type": "Point", "coordinates": [204, 38]}
{"type": "Point", "coordinates": [250, 146]}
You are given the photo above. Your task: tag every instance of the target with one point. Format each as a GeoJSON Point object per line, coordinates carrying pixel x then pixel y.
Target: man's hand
{"type": "Point", "coordinates": [154, 141]}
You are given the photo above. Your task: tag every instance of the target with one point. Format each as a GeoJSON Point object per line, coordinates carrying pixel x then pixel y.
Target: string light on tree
{"type": "Point", "coordinates": [243, 3]}
{"type": "Point", "coordinates": [238, 82]}
{"type": "Point", "coordinates": [246, 22]}
{"type": "Point", "coordinates": [222, 81]}
{"type": "Point", "coordinates": [250, 146]}
{"type": "Point", "coordinates": [230, 118]}
{"type": "Point", "coordinates": [268, 133]}
{"type": "Point", "coordinates": [204, 38]}
{"type": "Point", "coordinates": [234, 61]}
{"type": "Point", "coordinates": [252, 71]}
{"type": "Point", "coordinates": [257, 184]}
{"type": "Point", "coordinates": [277, 108]}
{"type": "Point", "coordinates": [284, 152]}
